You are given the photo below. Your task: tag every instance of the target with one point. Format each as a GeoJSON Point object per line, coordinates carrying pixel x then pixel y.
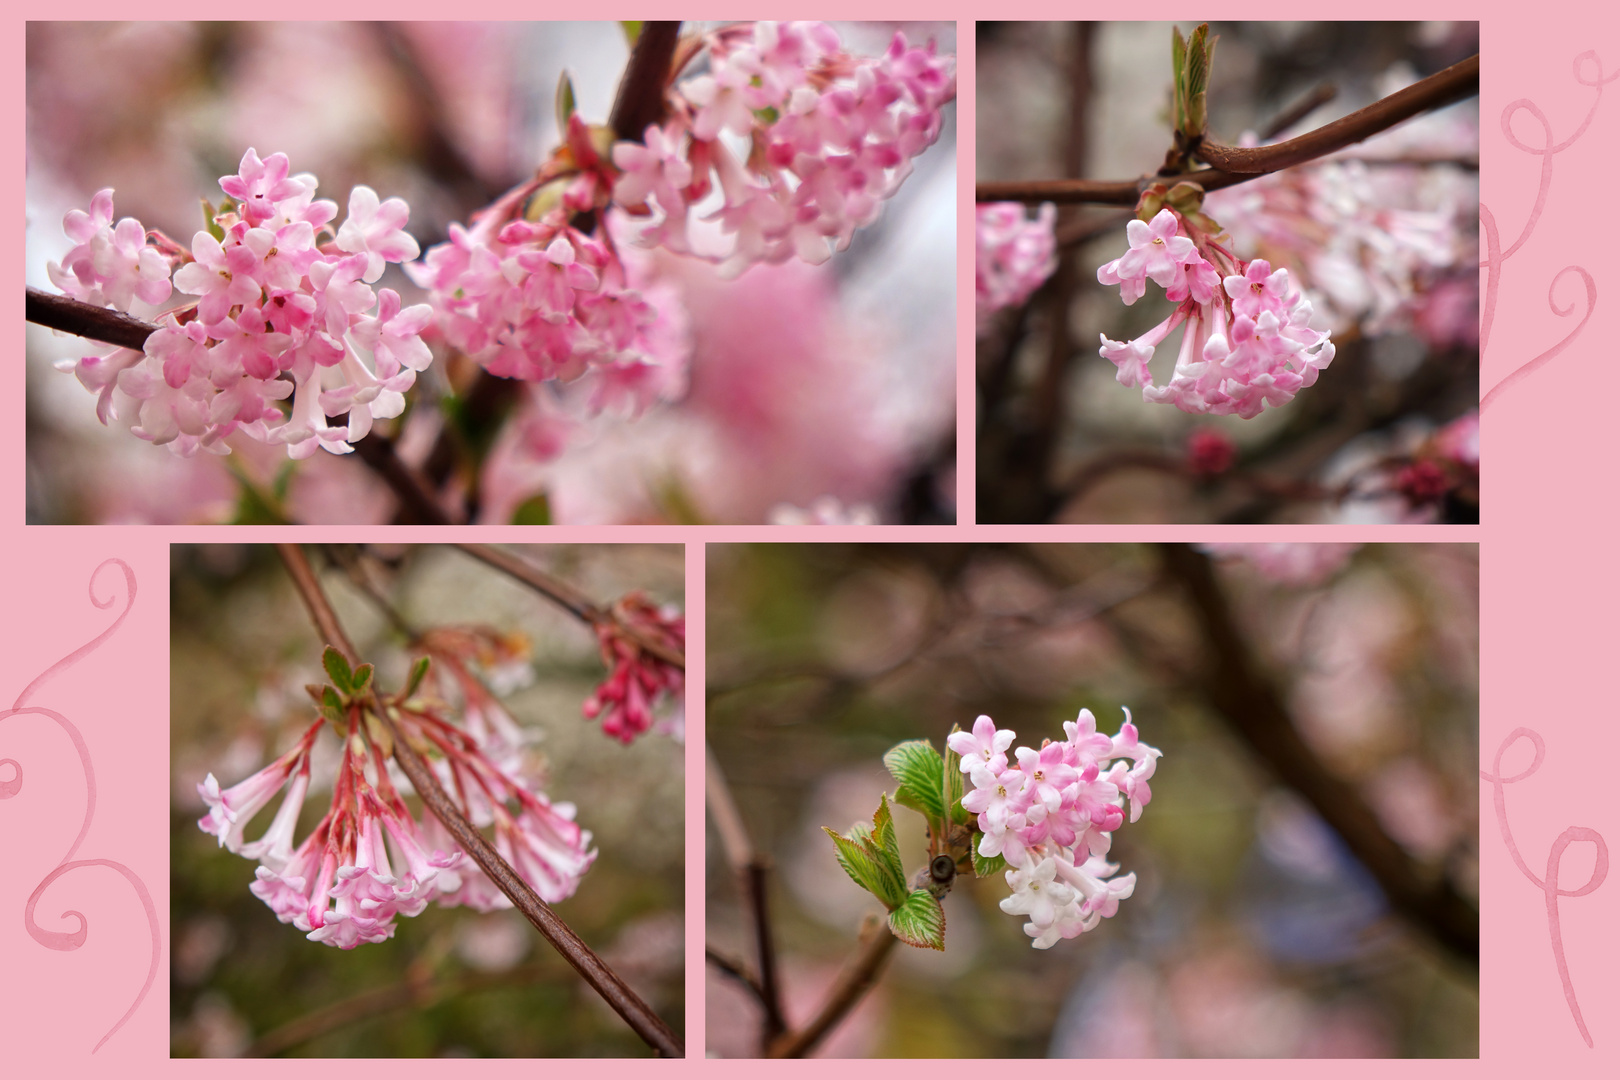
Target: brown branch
{"type": "Point", "coordinates": [753, 872]}
{"type": "Point", "coordinates": [415, 496]}
{"type": "Point", "coordinates": [1234, 165]}
{"type": "Point", "coordinates": [635, 1012]}
{"type": "Point", "coordinates": [640, 101]}
{"type": "Point", "coordinates": [86, 320]}
{"type": "Point", "coordinates": [1235, 685]}
{"type": "Point", "coordinates": [570, 599]}
{"type": "Point", "coordinates": [1456, 82]}
{"type": "Point", "coordinates": [852, 985]}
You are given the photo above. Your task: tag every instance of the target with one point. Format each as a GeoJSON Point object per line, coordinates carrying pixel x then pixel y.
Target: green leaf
{"type": "Point", "coordinates": [862, 869]}
{"type": "Point", "coordinates": [209, 223]}
{"type": "Point", "coordinates": [921, 773]}
{"type": "Point", "coordinates": [418, 671]}
{"type": "Point", "coordinates": [332, 707]}
{"type": "Point", "coordinates": [566, 102]}
{"type": "Point", "coordinates": [337, 669]}
{"type": "Point", "coordinates": [953, 782]}
{"type": "Point", "coordinates": [362, 676]}
{"type": "Point", "coordinates": [533, 511]}
{"type": "Point", "coordinates": [1199, 51]}
{"type": "Point", "coordinates": [632, 30]}
{"type": "Point", "coordinates": [920, 921]}
{"type": "Point", "coordinates": [984, 866]}
{"type": "Point", "coordinates": [1178, 66]}
{"type": "Point", "coordinates": [880, 843]}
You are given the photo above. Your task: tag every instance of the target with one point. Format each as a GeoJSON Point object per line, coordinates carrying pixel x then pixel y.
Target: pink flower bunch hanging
{"type": "Point", "coordinates": [1012, 255]}
{"type": "Point", "coordinates": [285, 309]}
{"type": "Point", "coordinates": [638, 681]}
{"type": "Point", "coordinates": [1052, 817]}
{"type": "Point", "coordinates": [803, 140]}
{"type": "Point", "coordinates": [369, 860]}
{"type": "Point", "coordinates": [1247, 342]}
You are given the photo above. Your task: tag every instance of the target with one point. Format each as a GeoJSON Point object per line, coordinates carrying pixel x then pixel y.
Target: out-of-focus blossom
{"type": "Point", "coordinates": [1012, 255]}
{"type": "Point", "coordinates": [826, 510]}
{"type": "Point", "coordinates": [1296, 564]}
{"type": "Point", "coordinates": [829, 137]}
{"type": "Point", "coordinates": [1210, 452]}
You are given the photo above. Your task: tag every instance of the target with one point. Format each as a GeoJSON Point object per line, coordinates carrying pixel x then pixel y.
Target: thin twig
{"type": "Point", "coordinates": [570, 599]}
{"type": "Point", "coordinates": [1315, 98]}
{"type": "Point", "coordinates": [1234, 684]}
{"type": "Point", "coordinates": [736, 969]}
{"type": "Point", "coordinates": [641, 1018]}
{"type": "Point", "coordinates": [852, 985]}
{"type": "Point", "coordinates": [86, 320]}
{"type": "Point", "coordinates": [753, 873]}
{"type": "Point", "coordinates": [1234, 165]}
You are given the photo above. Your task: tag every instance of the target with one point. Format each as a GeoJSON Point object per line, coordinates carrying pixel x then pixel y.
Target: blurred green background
{"type": "Point", "coordinates": [1252, 933]}
{"type": "Point", "coordinates": [451, 982]}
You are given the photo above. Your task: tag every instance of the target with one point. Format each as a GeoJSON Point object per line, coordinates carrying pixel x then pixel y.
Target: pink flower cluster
{"type": "Point", "coordinates": [539, 300]}
{"type": "Point", "coordinates": [1052, 817]}
{"type": "Point", "coordinates": [818, 138]}
{"type": "Point", "coordinates": [1248, 342]}
{"type": "Point", "coordinates": [1012, 255]}
{"type": "Point", "coordinates": [368, 860]}
{"type": "Point", "coordinates": [638, 681]}
{"type": "Point", "coordinates": [281, 313]}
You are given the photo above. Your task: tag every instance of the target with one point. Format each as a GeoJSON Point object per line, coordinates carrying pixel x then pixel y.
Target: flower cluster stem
{"type": "Point", "coordinates": [569, 599]}
{"type": "Point", "coordinates": [636, 1012]}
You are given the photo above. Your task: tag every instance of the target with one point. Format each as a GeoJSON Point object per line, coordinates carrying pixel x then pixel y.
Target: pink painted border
{"type": "Point", "coordinates": [1547, 588]}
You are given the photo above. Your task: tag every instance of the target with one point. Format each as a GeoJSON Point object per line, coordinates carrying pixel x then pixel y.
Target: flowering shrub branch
{"type": "Point", "coordinates": [397, 728]}
{"type": "Point", "coordinates": [1235, 165]}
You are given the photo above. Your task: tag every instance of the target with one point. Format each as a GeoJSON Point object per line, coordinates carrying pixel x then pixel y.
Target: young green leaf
{"type": "Point", "coordinates": [881, 844]}
{"type": "Point", "coordinates": [362, 677]}
{"type": "Point", "coordinates": [632, 30]}
{"type": "Point", "coordinates": [418, 671]}
{"type": "Point", "coordinates": [565, 101]}
{"type": "Point", "coordinates": [920, 921]}
{"type": "Point", "coordinates": [332, 707]}
{"type": "Point", "coordinates": [862, 869]}
{"type": "Point", "coordinates": [953, 782]}
{"type": "Point", "coordinates": [337, 669]}
{"type": "Point", "coordinates": [921, 773]}
{"type": "Point", "coordinates": [209, 223]}
{"type": "Point", "coordinates": [1178, 66]}
{"type": "Point", "coordinates": [985, 865]}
